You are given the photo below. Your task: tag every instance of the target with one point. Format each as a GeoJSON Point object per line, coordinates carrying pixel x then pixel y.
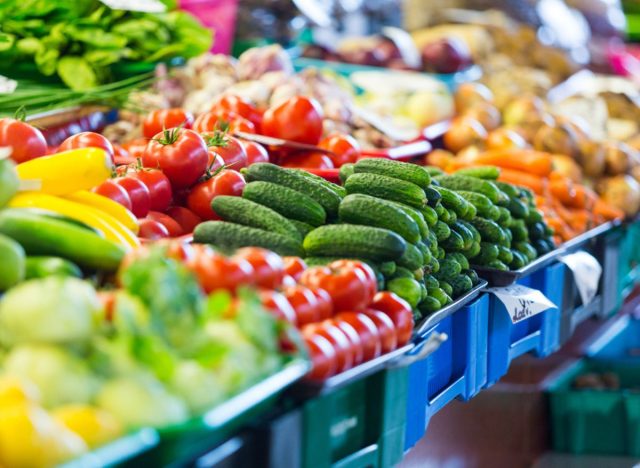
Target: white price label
{"type": "Point", "coordinates": [522, 302]}
{"type": "Point", "coordinates": [7, 85]}
{"type": "Point", "coordinates": [147, 6]}
{"type": "Point", "coordinates": [586, 273]}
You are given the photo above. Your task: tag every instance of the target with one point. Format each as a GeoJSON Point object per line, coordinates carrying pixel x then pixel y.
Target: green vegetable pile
{"type": "Point", "coordinates": [79, 40]}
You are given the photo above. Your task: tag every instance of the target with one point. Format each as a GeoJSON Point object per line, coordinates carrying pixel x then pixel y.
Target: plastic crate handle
{"type": "Point", "coordinates": [420, 352]}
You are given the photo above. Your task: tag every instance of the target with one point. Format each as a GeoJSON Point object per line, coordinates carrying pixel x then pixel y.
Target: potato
{"type": "Point", "coordinates": [470, 94]}
{"type": "Point", "coordinates": [621, 191]}
{"type": "Point", "coordinates": [464, 131]}
{"type": "Point", "coordinates": [558, 139]}
{"type": "Point", "coordinates": [592, 158]}
{"type": "Point", "coordinates": [618, 157]}
{"type": "Point", "coordinates": [487, 114]}
{"type": "Point", "coordinates": [522, 110]}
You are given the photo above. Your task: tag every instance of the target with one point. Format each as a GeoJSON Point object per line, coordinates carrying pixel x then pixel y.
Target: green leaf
{"type": "Point", "coordinates": [103, 58]}
{"type": "Point", "coordinates": [6, 41]}
{"type": "Point", "coordinates": [96, 37]}
{"type": "Point", "coordinates": [29, 46]}
{"type": "Point", "coordinates": [76, 73]}
{"type": "Point", "coordinates": [47, 61]}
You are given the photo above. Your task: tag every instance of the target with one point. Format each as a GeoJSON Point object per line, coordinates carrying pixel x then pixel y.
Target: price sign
{"type": "Point", "coordinates": [522, 302]}
{"type": "Point", "coordinates": [147, 6]}
{"type": "Point", "coordinates": [586, 273]}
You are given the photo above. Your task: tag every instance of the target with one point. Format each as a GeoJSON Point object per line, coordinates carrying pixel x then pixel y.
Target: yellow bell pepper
{"type": "Point", "coordinates": [67, 172]}
{"type": "Point", "coordinates": [94, 425]}
{"type": "Point", "coordinates": [108, 206]}
{"type": "Point", "coordinates": [15, 390]}
{"type": "Point", "coordinates": [103, 222]}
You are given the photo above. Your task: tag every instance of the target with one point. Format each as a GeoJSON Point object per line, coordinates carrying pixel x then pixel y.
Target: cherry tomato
{"type": "Point", "coordinates": [372, 281]}
{"type": "Point", "coordinates": [186, 218]}
{"type": "Point", "coordinates": [26, 142]}
{"type": "Point", "coordinates": [152, 229]}
{"type": "Point", "coordinates": [345, 148]}
{"type": "Point", "coordinates": [323, 357]}
{"type": "Point", "coordinates": [239, 106]}
{"type": "Point", "coordinates": [337, 338]}
{"type": "Point", "coordinates": [367, 330]}
{"type": "Point", "coordinates": [354, 338]}
{"type": "Point", "coordinates": [310, 159]}
{"type": "Point", "coordinates": [226, 182]}
{"type": "Point", "coordinates": [294, 266]}
{"type": "Point", "coordinates": [160, 192]}
{"type": "Point", "coordinates": [172, 226]}
{"type": "Point", "coordinates": [297, 119]}
{"type": "Point", "coordinates": [347, 285]}
{"type": "Point", "coordinates": [180, 154]}
{"type": "Point", "coordinates": [304, 302]}
{"type": "Point", "coordinates": [136, 147]}
{"type": "Point", "coordinates": [399, 311]}
{"type": "Point", "coordinates": [115, 192]}
{"type": "Point", "coordinates": [87, 140]}
{"type": "Point", "coordinates": [278, 304]}
{"type": "Point", "coordinates": [138, 193]}
{"type": "Point", "coordinates": [121, 156]}
{"type": "Point", "coordinates": [268, 267]}
{"type": "Point", "coordinates": [215, 271]}
{"type": "Point", "coordinates": [158, 120]}
{"type": "Point", "coordinates": [256, 153]}
{"type": "Point", "coordinates": [229, 149]}
{"type": "Point", "coordinates": [325, 306]}
{"type": "Point", "coordinates": [386, 328]}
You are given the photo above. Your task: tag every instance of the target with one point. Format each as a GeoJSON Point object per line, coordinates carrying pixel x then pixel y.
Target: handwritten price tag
{"type": "Point", "coordinates": [586, 273]}
{"type": "Point", "coordinates": [522, 302]}
{"type": "Point", "coordinates": [147, 6]}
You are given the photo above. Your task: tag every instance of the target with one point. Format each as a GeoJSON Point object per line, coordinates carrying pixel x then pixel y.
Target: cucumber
{"type": "Point", "coordinates": [489, 230]}
{"type": "Point", "coordinates": [388, 188]}
{"type": "Point", "coordinates": [402, 272]}
{"type": "Point", "coordinates": [41, 235]}
{"type": "Point", "coordinates": [267, 172]}
{"type": "Point", "coordinates": [407, 288]}
{"type": "Point", "coordinates": [473, 251]}
{"type": "Point", "coordinates": [429, 305]}
{"type": "Point", "coordinates": [511, 190]}
{"type": "Point", "coordinates": [460, 285]}
{"type": "Point", "coordinates": [505, 216]}
{"type": "Point", "coordinates": [543, 246]}
{"type": "Point", "coordinates": [430, 215]}
{"type": "Point", "coordinates": [483, 204]}
{"type": "Point", "coordinates": [488, 253]}
{"type": "Point", "coordinates": [433, 170]}
{"type": "Point", "coordinates": [303, 228]}
{"type": "Point", "coordinates": [497, 265]}
{"type": "Point", "coordinates": [453, 201]}
{"type": "Point", "coordinates": [433, 196]}
{"type": "Point", "coordinates": [461, 259]}
{"type": "Point", "coordinates": [426, 253]}
{"type": "Point", "coordinates": [536, 231]}
{"type": "Point", "coordinates": [441, 253]}
{"type": "Point", "coordinates": [387, 268]}
{"type": "Point", "coordinates": [423, 291]}
{"type": "Point", "coordinates": [412, 258]}
{"type": "Point", "coordinates": [433, 242]}
{"type": "Point", "coordinates": [471, 184]}
{"type": "Point", "coordinates": [494, 213]}
{"type": "Point", "coordinates": [418, 275]}
{"type": "Point", "coordinates": [518, 260]}
{"type": "Point", "coordinates": [453, 217]}
{"type": "Point", "coordinates": [535, 216]}
{"type": "Point", "coordinates": [434, 265]}
{"type": "Point", "coordinates": [431, 282]}
{"type": "Point", "coordinates": [438, 294]}
{"type": "Point", "coordinates": [443, 213]}
{"type": "Point", "coordinates": [504, 254]}
{"type": "Point", "coordinates": [379, 245]}
{"type": "Point", "coordinates": [242, 211]}
{"type": "Point", "coordinates": [396, 169]}
{"type": "Point", "coordinates": [12, 266]}
{"type": "Point", "coordinates": [518, 209]}
{"type": "Point", "coordinates": [474, 232]}
{"type": "Point", "coordinates": [480, 172]}
{"type": "Point", "coordinates": [370, 211]}
{"type": "Point", "coordinates": [503, 199]}
{"type": "Point", "coordinates": [442, 231]}
{"type": "Point", "coordinates": [519, 230]}
{"type": "Point", "coordinates": [338, 189]}
{"type": "Point", "coordinates": [41, 267]}
{"type": "Point", "coordinates": [229, 237]}
{"type": "Point", "coordinates": [416, 215]}
{"type": "Point", "coordinates": [467, 236]}
{"type": "Point", "coordinates": [449, 269]}
{"type": "Point", "coordinates": [346, 171]}
{"type": "Point", "coordinates": [286, 201]}
{"type": "Point", "coordinates": [473, 276]}
{"type": "Point", "coordinates": [453, 242]}
{"type": "Point", "coordinates": [446, 287]}
{"type": "Point", "coordinates": [526, 249]}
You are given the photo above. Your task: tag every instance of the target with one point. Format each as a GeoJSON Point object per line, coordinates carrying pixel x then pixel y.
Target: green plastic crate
{"type": "Point", "coordinates": [629, 259]}
{"type": "Point", "coordinates": [359, 424]}
{"type": "Point", "coordinates": [603, 422]}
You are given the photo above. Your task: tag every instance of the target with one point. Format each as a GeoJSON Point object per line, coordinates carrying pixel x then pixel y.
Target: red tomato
{"type": "Point", "coordinates": [152, 229]}
{"type": "Point", "coordinates": [278, 304]}
{"type": "Point", "coordinates": [347, 285]}
{"type": "Point", "coordinates": [138, 193]}
{"type": "Point", "coordinates": [294, 266]}
{"type": "Point", "coordinates": [229, 149]}
{"type": "Point", "coordinates": [399, 311]}
{"type": "Point", "coordinates": [241, 125]}
{"type": "Point", "coordinates": [345, 148]}
{"type": "Point", "coordinates": [386, 328]}
{"type": "Point", "coordinates": [26, 142]}
{"type": "Point", "coordinates": [215, 161]}
{"type": "Point", "coordinates": [186, 218]}
{"type": "Point", "coordinates": [256, 153]}
{"type": "Point", "coordinates": [86, 140]}
{"type": "Point", "coordinates": [180, 251]}
{"type": "Point", "coordinates": [304, 302]}
{"type": "Point", "coordinates": [180, 154]}
{"type": "Point", "coordinates": [215, 271]}
{"type": "Point", "coordinates": [297, 119]}
{"type": "Point", "coordinates": [239, 106]}
{"type": "Point", "coordinates": [288, 281]}
{"type": "Point", "coordinates": [337, 338]}
{"type": "Point", "coordinates": [323, 357]}
{"type": "Point", "coordinates": [309, 159]}
{"type": "Point", "coordinates": [226, 182]}
{"type": "Point", "coordinates": [136, 147]}
{"type": "Point", "coordinates": [111, 190]}
{"type": "Point", "coordinates": [268, 267]}
{"type": "Point", "coordinates": [172, 226]}
{"type": "Point", "coordinates": [214, 120]}
{"type": "Point", "coordinates": [354, 338]}
{"type": "Point", "coordinates": [160, 192]}
{"type": "Point", "coordinates": [158, 120]}
{"type": "Point", "coordinates": [367, 330]}
{"type": "Point", "coordinates": [372, 281]}
{"type": "Point", "coordinates": [325, 306]}
{"type": "Point", "coordinates": [121, 156]}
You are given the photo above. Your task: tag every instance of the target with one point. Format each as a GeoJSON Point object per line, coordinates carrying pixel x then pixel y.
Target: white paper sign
{"type": "Point", "coordinates": [147, 6]}
{"type": "Point", "coordinates": [522, 302]}
{"type": "Point", "coordinates": [586, 273]}
{"type": "Point", "coordinates": [7, 85]}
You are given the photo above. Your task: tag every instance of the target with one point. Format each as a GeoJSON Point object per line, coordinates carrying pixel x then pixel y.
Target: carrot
{"type": "Point", "coordinates": [515, 177]}
{"type": "Point", "coordinates": [563, 191]}
{"type": "Point", "coordinates": [530, 161]}
{"type": "Point", "coordinates": [580, 221]}
{"type": "Point", "coordinates": [607, 211]}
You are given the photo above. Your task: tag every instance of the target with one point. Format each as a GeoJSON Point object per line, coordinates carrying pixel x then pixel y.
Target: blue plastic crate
{"type": "Point", "coordinates": [539, 334]}
{"type": "Point", "coordinates": [620, 342]}
{"type": "Point", "coordinates": [458, 369]}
